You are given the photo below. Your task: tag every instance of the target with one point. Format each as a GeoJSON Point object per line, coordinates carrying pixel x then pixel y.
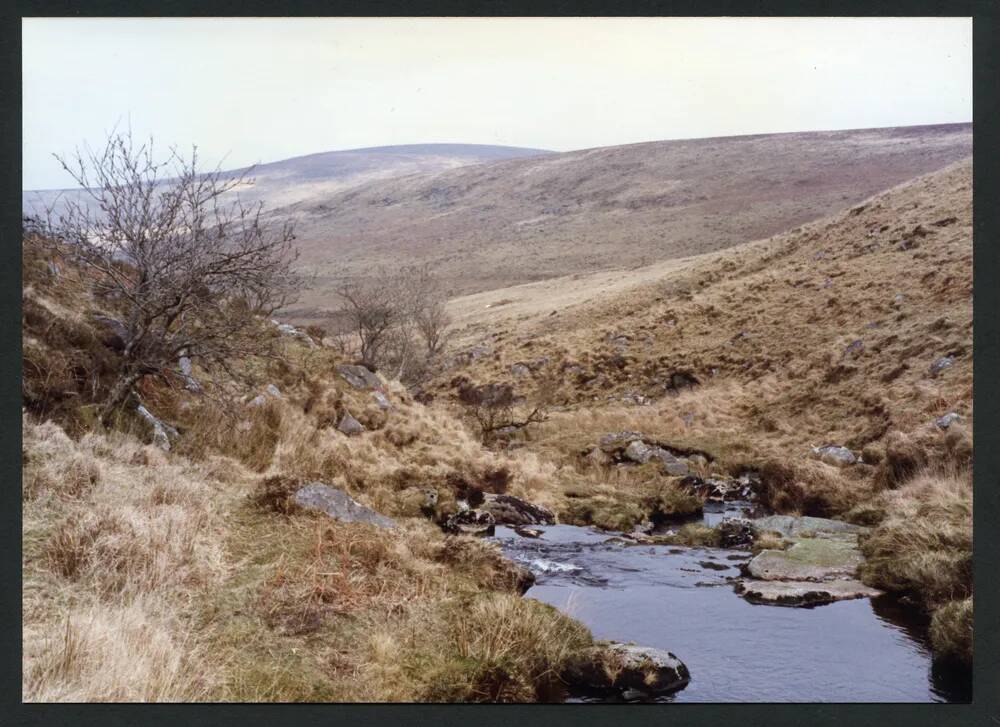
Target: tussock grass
{"type": "Point", "coordinates": [951, 630]}
{"type": "Point", "coordinates": [924, 547]}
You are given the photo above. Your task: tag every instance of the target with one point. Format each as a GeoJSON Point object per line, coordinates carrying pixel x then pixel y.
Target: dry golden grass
{"type": "Point", "coordinates": [924, 547]}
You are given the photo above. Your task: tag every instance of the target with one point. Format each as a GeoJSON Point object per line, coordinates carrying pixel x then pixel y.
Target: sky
{"type": "Point", "coordinates": [258, 90]}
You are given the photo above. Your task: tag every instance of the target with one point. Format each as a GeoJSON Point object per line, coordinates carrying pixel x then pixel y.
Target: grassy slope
{"type": "Point", "coordinates": [495, 225]}
{"type": "Point", "coordinates": [767, 329]}
{"type": "Point", "coordinates": [156, 576]}
{"type": "Point", "coordinates": [153, 576]}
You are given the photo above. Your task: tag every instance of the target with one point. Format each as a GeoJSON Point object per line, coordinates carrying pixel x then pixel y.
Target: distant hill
{"type": "Point", "coordinates": [510, 222]}
{"type": "Point", "coordinates": [317, 176]}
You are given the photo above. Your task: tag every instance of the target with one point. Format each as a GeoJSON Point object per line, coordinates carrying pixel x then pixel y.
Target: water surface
{"type": "Point", "coordinates": [682, 600]}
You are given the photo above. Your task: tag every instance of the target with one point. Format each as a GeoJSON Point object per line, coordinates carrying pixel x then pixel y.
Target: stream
{"type": "Point", "coordinates": [681, 599]}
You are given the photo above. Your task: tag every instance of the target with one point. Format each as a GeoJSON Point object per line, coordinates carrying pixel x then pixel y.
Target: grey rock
{"type": "Point", "coordinates": [360, 377]}
{"type": "Point", "coordinates": [382, 400]}
{"type": "Point", "coordinates": [349, 425]}
{"type": "Point", "coordinates": [808, 559]}
{"type": "Point", "coordinates": [627, 667]}
{"type": "Point", "coordinates": [520, 369]}
{"type": "Point", "coordinates": [339, 505]}
{"type": "Point", "coordinates": [794, 526]}
{"type": "Point", "coordinates": [947, 420]}
{"type": "Point", "coordinates": [481, 351]}
{"type": "Point", "coordinates": [510, 510]}
{"type": "Point", "coordinates": [835, 455]}
{"type": "Point", "coordinates": [287, 329]}
{"type": "Point", "coordinates": [803, 593]}
{"type": "Point", "coordinates": [190, 382]}
{"type": "Point", "coordinates": [526, 532]}
{"type": "Point", "coordinates": [941, 364]}
{"type": "Point", "coordinates": [618, 440]}
{"type": "Point", "coordinates": [273, 390]}
{"type": "Point", "coordinates": [855, 349]}
{"type": "Point", "coordinates": [638, 451]}
{"type": "Point", "coordinates": [163, 433]}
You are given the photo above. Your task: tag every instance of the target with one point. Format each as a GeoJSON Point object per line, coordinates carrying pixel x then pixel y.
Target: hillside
{"type": "Point", "coordinates": [501, 224]}
{"type": "Point", "coordinates": [179, 564]}
{"type": "Point", "coordinates": [853, 331]}
{"type": "Point", "coordinates": [314, 177]}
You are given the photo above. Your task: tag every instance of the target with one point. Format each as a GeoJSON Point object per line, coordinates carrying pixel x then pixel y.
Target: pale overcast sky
{"type": "Point", "coordinates": [260, 90]}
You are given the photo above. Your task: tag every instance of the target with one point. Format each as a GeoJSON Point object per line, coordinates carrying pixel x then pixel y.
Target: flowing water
{"type": "Point", "coordinates": [682, 600]}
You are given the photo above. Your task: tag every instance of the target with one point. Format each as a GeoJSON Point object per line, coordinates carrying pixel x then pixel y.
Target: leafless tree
{"type": "Point", "coordinates": [430, 318]}
{"type": "Point", "coordinates": [493, 408]}
{"type": "Point", "coordinates": [190, 267]}
{"type": "Point", "coordinates": [388, 309]}
{"type": "Point", "coordinates": [375, 305]}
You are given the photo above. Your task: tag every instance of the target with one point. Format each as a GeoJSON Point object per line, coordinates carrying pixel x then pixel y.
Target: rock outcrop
{"type": "Point", "coordinates": [360, 377]}
{"type": "Point", "coordinates": [338, 505]}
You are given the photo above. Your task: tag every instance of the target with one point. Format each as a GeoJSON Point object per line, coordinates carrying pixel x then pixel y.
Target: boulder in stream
{"type": "Point", "coordinates": [626, 667]}
{"type": "Point", "coordinates": [803, 593]}
{"type": "Point", "coordinates": [808, 559]}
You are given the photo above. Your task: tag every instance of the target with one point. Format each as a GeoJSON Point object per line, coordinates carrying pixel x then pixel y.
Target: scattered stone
{"type": "Point", "coordinates": [470, 522]}
{"type": "Point", "coordinates": [638, 451]}
{"type": "Point", "coordinates": [286, 329]}
{"type": "Point", "coordinates": [382, 400]}
{"type": "Point", "coordinates": [941, 364]}
{"type": "Point", "coordinates": [349, 425]}
{"type": "Point", "coordinates": [898, 300]}
{"type": "Point", "coordinates": [520, 369]}
{"type": "Point", "coordinates": [712, 565]}
{"type": "Point", "coordinates": [803, 593]}
{"type": "Point", "coordinates": [835, 455]}
{"type": "Point", "coordinates": [855, 349]}
{"type": "Point", "coordinates": [339, 505]}
{"type": "Point", "coordinates": [163, 433]}
{"type": "Point", "coordinates": [947, 420]}
{"type": "Point", "coordinates": [627, 667]}
{"type": "Point", "coordinates": [510, 510]}
{"type": "Point", "coordinates": [618, 440]}
{"type": "Point", "coordinates": [190, 382]}
{"type": "Point", "coordinates": [526, 532]}
{"type": "Point", "coordinates": [273, 390]}
{"type": "Point", "coordinates": [360, 377]}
